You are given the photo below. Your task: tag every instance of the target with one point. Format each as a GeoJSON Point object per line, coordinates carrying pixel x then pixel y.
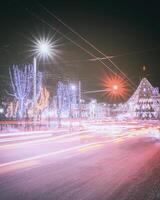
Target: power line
{"type": "Point", "coordinates": [69, 39]}
{"type": "Point", "coordinates": [89, 43]}
{"type": "Point", "coordinates": [134, 52]}
{"type": "Point", "coordinates": [114, 56]}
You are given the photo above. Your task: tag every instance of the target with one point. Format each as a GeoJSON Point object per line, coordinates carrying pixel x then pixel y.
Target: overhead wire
{"type": "Point", "coordinates": [87, 42]}
{"type": "Point", "coordinates": [72, 41]}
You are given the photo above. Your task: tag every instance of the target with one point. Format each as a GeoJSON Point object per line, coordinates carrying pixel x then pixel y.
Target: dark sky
{"type": "Point", "coordinates": [114, 27]}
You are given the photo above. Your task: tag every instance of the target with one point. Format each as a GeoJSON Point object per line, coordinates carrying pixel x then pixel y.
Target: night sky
{"type": "Point", "coordinates": [128, 31]}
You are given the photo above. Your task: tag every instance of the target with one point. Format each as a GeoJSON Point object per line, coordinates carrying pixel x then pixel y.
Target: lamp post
{"type": "Point", "coordinates": [34, 89]}
{"type": "Point", "coordinates": [43, 49]}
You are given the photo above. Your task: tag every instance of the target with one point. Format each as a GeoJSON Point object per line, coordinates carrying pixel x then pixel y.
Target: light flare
{"type": "Point", "coordinates": [116, 87]}
{"type": "Point", "coordinates": [45, 48]}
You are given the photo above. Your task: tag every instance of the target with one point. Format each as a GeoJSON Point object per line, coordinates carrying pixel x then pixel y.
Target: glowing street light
{"type": "Point", "coordinates": [116, 87]}
{"type": "Point", "coordinates": [44, 48]}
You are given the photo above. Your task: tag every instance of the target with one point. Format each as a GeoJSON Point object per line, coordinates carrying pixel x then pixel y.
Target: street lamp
{"type": "Point", "coordinates": [43, 49]}
{"type": "Point", "coordinates": [116, 87]}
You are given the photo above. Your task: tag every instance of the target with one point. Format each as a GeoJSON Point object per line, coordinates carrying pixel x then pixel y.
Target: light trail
{"type": "Point", "coordinates": [20, 166]}
{"type": "Point", "coordinates": [39, 140]}
{"type": "Point", "coordinates": [79, 148]}
{"type": "Point", "coordinates": [52, 153]}
{"type": "Point", "coordinates": [2, 147]}
{"type": "Point", "coordinates": [21, 133]}
{"type": "Point", "coordinates": [25, 138]}
{"type": "Point", "coordinates": [90, 146]}
{"type": "Point", "coordinates": [93, 147]}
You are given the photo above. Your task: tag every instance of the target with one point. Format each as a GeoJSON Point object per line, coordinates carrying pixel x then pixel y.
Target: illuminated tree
{"type": "Point", "coordinates": [66, 98]}
{"type": "Point", "coordinates": [60, 98]}
{"type": "Point", "coordinates": [145, 102]}
{"type": "Point", "coordinates": [11, 110]}
{"type": "Point", "coordinates": [22, 86]}
{"type": "Point", "coordinates": [43, 100]}
{"type": "Point", "coordinates": [59, 101]}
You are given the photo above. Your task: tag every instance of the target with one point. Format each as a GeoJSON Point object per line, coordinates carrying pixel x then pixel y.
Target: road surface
{"type": "Point", "coordinates": [98, 164]}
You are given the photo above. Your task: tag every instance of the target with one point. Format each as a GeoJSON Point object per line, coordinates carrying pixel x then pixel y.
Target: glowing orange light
{"type": "Point", "coordinates": [116, 87]}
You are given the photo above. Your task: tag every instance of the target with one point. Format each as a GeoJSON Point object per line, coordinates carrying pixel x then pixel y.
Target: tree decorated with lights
{"type": "Point", "coordinates": [43, 101]}
{"type": "Point", "coordinates": [145, 102]}
{"type": "Point", "coordinates": [22, 86]}
{"type": "Point", "coordinates": [12, 109]}
{"type": "Point", "coordinates": [62, 98]}
{"type": "Point", "coordinates": [66, 98]}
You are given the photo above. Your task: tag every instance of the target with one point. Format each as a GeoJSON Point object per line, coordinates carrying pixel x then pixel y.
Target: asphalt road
{"type": "Point", "coordinates": [87, 165]}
